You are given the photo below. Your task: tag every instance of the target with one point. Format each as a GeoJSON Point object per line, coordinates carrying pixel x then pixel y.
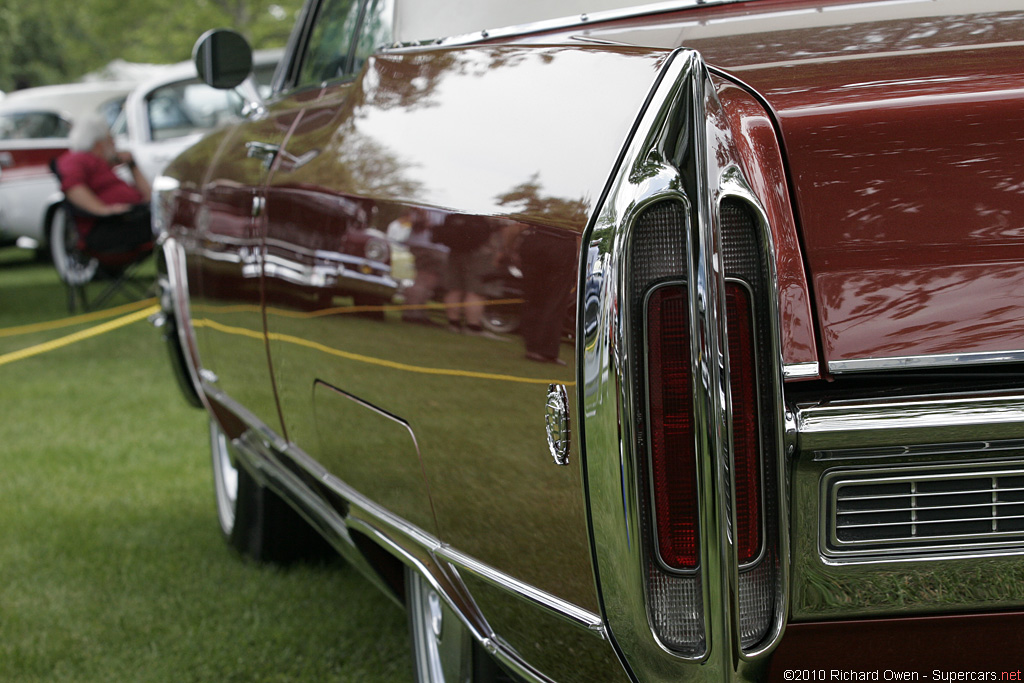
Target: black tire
{"type": "Point", "coordinates": [253, 519]}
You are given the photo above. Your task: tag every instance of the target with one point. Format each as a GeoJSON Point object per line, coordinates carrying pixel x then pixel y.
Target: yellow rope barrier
{"type": "Point", "coordinates": [298, 341]}
{"type": "Point", "coordinates": [78, 336]}
{"type": "Point", "coordinates": [340, 310]}
{"type": "Point", "coordinates": [370, 360]}
{"type": "Point", "coordinates": [75, 320]}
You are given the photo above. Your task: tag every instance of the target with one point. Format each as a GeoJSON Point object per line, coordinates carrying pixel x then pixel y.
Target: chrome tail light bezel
{"type": "Point", "coordinates": [681, 152]}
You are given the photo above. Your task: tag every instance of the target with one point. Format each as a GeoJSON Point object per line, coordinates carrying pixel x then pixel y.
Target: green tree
{"type": "Point", "coordinates": [30, 52]}
{"type": "Point", "coordinates": [48, 42]}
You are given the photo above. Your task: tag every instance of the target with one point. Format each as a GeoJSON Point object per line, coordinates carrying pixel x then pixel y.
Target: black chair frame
{"type": "Point", "coordinates": [83, 260]}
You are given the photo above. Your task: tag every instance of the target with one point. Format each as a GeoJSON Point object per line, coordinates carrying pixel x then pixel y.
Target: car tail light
{"type": "Point", "coordinates": [665, 428]}
{"type": "Point", "coordinates": [746, 434]}
{"type": "Point", "coordinates": [670, 414]}
{"type": "Point", "coordinates": [673, 456]}
{"type": "Point", "coordinates": [669, 428]}
{"type": "Point", "coordinates": [689, 505]}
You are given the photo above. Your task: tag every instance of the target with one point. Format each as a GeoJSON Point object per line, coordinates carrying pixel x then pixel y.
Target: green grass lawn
{"type": "Point", "coordinates": [111, 563]}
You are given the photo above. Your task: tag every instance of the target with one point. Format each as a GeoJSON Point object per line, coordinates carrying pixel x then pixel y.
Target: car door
{"type": "Point", "coordinates": [328, 277]}
{"type": "Point", "coordinates": [226, 262]}
{"type": "Point", "coordinates": [421, 167]}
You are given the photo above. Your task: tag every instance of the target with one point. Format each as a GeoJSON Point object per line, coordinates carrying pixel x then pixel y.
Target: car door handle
{"type": "Point", "coordinates": [268, 152]}
{"type": "Point", "coordinates": [290, 162]}
{"type": "Point", "coordinates": [262, 150]}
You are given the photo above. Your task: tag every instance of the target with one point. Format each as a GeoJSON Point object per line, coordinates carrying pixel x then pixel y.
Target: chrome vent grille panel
{"type": "Point", "coordinates": [924, 510]}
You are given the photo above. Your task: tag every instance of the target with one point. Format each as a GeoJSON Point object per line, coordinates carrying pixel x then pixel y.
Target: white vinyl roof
{"type": "Point", "coordinates": [418, 20]}
{"type": "Point", "coordinates": [70, 99]}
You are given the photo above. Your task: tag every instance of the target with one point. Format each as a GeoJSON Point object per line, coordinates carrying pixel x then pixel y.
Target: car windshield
{"type": "Point", "coordinates": [33, 124]}
{"type": "Point", "coordinates": [110, 111]}
{"type": "Point", "coordinates": [263, 78]}
{"type": "Point", "coordinates": [187, 107]}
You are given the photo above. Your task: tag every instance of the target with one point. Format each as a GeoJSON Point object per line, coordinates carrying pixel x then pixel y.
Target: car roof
{"type": "Point", "coordinates": [70, 99]}
{"type": "Point", "coordinates": [417, 21]}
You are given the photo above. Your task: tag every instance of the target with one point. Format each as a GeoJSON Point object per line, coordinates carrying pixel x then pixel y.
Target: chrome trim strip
{"type": "Point", "coordinates": [413, 546]}
{"type": "Point", "coordinates": [911, 421]}
{"type": "Point", "coordinates": [927, 362]}
{"type": "Point", "coordinates": [178, 300]}
{"type": "Point", "coordinates": [560, 608]}
{"type": "Point", "coordinates": [801, 371]}
{"type": "Point", "coordinates": [562, 23]}
{"type": "Point", "coordinates": [372, 517]}
{"type": "Point", "coordinates": [269, 472]}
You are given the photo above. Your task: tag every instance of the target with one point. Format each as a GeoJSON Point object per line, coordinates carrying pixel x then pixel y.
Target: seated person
{"type": "Point", "coordinates": [119, 215]}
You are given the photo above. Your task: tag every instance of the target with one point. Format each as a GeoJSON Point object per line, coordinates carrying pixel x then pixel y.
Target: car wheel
{"type": "Point", "coordinates": [441, 644]}
{"type": "Point", "coordinates": [71, 266]}
{"type": "Point", "coordinates": [501, 318]}
{"type": "Point", "coordinates": [443, 649]}
{"type": "Point", "coordinates": [253, 519]}
{"type": "Point", "coordinates": [225, 481]}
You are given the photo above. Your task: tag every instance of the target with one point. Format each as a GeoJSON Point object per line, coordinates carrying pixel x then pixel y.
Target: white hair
{"type": "Point", "coordinates": [86, 132]}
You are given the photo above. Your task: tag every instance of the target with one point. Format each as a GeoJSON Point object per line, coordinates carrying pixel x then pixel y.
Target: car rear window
{"type": "Point", "coordinates": [33, 124]}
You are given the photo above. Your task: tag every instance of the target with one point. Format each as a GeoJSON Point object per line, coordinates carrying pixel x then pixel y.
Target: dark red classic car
{"type": "Point", "coordinates": [761, 413]}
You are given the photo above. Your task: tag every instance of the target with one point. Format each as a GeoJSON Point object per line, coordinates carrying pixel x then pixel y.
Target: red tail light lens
{"type": "Point", "coordinates": [670, 411]}
{"type": "Point", "coordinates": [745, 431]}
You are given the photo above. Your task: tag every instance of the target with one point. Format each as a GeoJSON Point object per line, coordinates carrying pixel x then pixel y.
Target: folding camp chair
{"type": "Point", "coordinates": [109, 253]}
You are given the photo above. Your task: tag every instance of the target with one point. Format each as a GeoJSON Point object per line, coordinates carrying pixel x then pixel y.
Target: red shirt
{"type": "Point", "coordinates": [85, 168]}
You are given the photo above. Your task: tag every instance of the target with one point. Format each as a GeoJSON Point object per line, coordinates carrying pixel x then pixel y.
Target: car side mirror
{"type": "Point", "coordinates": [223, 58]}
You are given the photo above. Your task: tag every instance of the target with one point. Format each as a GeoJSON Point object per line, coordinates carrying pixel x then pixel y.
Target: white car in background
{"type": "Point", "coordinates": [170, 112]}
{"type": "Point", "coordinates": [154, 119]}
{"type": "Point", "coordinates": [34, 125]}
{"type": "Point", "coordinates": [162, 116]}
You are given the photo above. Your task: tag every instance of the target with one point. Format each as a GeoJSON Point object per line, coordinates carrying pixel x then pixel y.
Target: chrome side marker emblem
{"type": "Point", "coordinates": [557, 423]}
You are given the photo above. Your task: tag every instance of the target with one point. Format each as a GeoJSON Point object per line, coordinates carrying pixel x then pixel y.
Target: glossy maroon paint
{"type": "Point", "coordinates": [763, 167]}
{"type": "Point", "coordinates": [989, 644]}
{"type": "Point", "coordinates": [903, 132]}
{"type": "Point", "coordinates": [316, 333]}
{"type": "Point", "coordinates": [911, 197]}
{"type": "Point", "coordinates": [452, 136]}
